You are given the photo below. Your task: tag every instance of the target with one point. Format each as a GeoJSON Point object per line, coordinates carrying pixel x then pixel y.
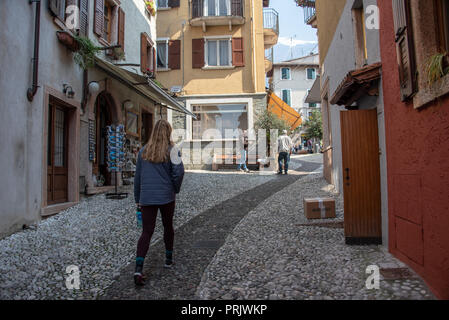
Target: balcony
{"type": "Point", "coordinates": [216, 13]}
{"type": "Point", "coordinates": [309, 11]}
{"type": "Point", "coordinates": [269, 62]}
{"type": "Point", "coordinates": [270, 27]}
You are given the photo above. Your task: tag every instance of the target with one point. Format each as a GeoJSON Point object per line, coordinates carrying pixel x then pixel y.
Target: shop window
{"type": "Point", "coordinates": [221, 117]}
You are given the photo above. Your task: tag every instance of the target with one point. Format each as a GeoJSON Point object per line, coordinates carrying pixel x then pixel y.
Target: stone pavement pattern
{"type": "Point", "coordinates": [195, 245]}
{"type": "Point", "coordinates": [231, 242]}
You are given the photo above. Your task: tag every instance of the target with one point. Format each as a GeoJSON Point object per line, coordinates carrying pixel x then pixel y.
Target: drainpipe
{"type": "Point", "coordinates": [32, 91]}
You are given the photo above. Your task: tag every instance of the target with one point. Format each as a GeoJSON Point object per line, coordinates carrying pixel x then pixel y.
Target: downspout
{"type": "Point", "coordinates": [253, 26]}
{"type": "Point", "coordinates": [32, 91]}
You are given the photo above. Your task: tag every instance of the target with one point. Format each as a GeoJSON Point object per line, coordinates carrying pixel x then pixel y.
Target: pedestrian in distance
{"type": "Point", "coordinates": [285, 145]}
{"type": "Point", "coordinates": [158, 178]}
{"type": "Point", "coordinates": [243, 147]}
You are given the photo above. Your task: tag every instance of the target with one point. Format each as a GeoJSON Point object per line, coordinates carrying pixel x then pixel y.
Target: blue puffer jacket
{"type": "Point", "coordinates": [157, 183]}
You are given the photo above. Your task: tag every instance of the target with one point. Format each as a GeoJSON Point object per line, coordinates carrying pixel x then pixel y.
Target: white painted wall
{"type": "Point", "coordinates": [298, 84]}
{"type": "Point", "coordinates": [338, 62]}
{"type": "Point", "coordinates": [21, 121]}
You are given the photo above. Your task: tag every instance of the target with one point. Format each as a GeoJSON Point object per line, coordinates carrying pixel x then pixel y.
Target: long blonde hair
{"type": "Point", "coordinates": [157, 148]}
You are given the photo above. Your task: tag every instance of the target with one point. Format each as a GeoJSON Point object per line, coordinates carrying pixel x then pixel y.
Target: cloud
{"type": "Point", "coordinates": [294, 42]}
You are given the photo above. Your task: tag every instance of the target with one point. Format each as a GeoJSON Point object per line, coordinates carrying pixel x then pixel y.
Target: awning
{"type": "Point", "coordinates": [314, 95]}
{"type": "Point", "coordinates": [278, 107]}
{"type": "Point", "coordinates": [142, 85]}
{"type": "Point", "coordinates": [356, 84]}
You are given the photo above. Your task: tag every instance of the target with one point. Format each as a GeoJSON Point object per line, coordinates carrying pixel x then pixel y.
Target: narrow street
{"type": "Point", "coordinates": [238, 236]}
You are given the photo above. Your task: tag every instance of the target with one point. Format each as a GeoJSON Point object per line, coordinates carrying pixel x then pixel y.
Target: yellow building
{"type": "Point", "coordinates": [211, 54]}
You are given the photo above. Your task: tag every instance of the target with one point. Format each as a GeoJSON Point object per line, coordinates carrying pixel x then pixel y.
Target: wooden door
{"type": "Point", "coordinates": [361, 177]}
{"type": "Point", "coordinates": [57, 168]}
{"type": "Point", "coordinates": [147, 127]}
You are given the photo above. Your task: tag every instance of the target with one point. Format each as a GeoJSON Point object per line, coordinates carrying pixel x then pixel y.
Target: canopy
{"type": "Point", "coordinates": [278, 107]}
{"type": "Point", "coordinates": [142, 85]}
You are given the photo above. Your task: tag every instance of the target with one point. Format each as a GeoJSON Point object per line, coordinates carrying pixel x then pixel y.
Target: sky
{"type": "Point", "coordinates": [296, 38]}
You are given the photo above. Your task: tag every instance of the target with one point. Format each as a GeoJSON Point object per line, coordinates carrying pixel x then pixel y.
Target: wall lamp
{"type": "Point", "coordinates": [68, 91]}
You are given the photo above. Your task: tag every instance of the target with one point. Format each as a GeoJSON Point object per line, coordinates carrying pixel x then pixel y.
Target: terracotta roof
{"type": "Point", "coordinates": [356, 84]}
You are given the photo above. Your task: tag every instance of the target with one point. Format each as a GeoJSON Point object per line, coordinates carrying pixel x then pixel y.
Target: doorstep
{"type": "Point", "coordinates": [98, 190]}
{"type": "Point", "coordinates": [56, 208]}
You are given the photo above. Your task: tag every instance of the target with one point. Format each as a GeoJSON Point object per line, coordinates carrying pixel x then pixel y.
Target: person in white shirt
{"type": "Point", "coordinates": [285, 145]}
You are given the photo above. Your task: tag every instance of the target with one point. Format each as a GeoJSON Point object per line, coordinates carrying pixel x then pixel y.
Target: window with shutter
{"type": "Point", "coordinates": [173, 3]}
{"type": "Point", "coordinates": [143, 52]}
{"type": "Point", "coordinates": [404, 47]}
{"type": "Point", "coordinates": [121, 29]}
{"type": "Point", "coordinates": [84, 17]}
{"type": "Point", "coordinates": [197, 53]}
{"type": "Point", "coordinates": [55, 7]}
{"type": "Point", "coordinates": [237, 52]}
{"type": "Point", "coordinates": [174, 54]}
{"type": "Point", "coordinates": [99, 18]}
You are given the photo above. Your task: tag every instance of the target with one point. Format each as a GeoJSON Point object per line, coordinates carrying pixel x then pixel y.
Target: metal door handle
{"type": "Point", "coordinates": [347, 176]}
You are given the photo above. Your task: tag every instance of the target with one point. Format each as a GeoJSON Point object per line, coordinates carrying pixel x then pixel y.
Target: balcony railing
{"type": "Point", "coordinates": [217, 8]}
{"type": "Point", "coordinates": [309, 9]}
{"type": "Point", "coordinates": [271, 19]}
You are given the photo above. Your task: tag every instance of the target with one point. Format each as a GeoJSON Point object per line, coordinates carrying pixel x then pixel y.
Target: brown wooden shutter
{"type": "Point", "coordinates": [173, 3]}
{"type": "Point", "coordinates": [237, 52]}
{"type": "Point", "coordinates": [174, 54]}
{"type": "Point", "coordinates": [154, 60]}
{"type": "Point", "coordinates": [143, 52]}
{"type": "Point", "coordinates": [237, 8]}
{"type": "Point", "coordinates": [404, 47]}
{"type": "Point", "coordinates": [99, 18]}
{"type": "Point", "coordinates": [121, 28]}
{"type": "Point", "coordinates": [84, 17]}
{"type": "Point", "coordinates": [197, 53]}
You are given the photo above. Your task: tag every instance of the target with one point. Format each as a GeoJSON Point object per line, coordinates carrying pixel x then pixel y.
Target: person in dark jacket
{"type": "Point", "coordinates": [158, 178]}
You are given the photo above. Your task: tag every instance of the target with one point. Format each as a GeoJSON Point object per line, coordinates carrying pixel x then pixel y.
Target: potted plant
{"type": "Point", "coordinates": [151, 7]}
{"type": "Point", "coordinates": [437, 67]}
{"type": "Point", "coordinates": [68, 40]}
{"type": "Point", "coordinates": [85, 56]}
{"type": "Point", "coordinates": [116, 53]}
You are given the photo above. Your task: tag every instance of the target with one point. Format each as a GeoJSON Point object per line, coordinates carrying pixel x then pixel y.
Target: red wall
{"type": "Point", "coordinates": [418, 172]}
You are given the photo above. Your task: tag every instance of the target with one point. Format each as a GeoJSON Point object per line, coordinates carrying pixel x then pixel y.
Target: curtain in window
{"type": "Point", "coordinates": [286, 96]}
{"type": "Point", "coordinates": [162, 3]}
{"type": "Point", "coordinates": [224, 52]}
{"type": "Point", "coordinates": [223, 7]}
{"type": "Point", "coordinates": [211, 7]}
{"type": "Point", "coordinates": [212, 53]}
{"type": "Point", "coordinates": [161, 55]}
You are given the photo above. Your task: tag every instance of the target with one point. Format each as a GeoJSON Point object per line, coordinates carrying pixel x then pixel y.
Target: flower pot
{"type": "Point", "coordinates": [68, 40]}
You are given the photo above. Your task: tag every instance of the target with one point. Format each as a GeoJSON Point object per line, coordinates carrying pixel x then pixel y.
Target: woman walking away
{"type": "Point", "coordinates": [159, 174]}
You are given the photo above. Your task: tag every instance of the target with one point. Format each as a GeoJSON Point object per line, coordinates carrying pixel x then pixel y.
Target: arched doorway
{"type": "Point", "coordinates": [104, 116]}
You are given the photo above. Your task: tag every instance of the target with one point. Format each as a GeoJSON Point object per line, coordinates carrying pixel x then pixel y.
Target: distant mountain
{"type": "Point", "coordinates": [284, 52]}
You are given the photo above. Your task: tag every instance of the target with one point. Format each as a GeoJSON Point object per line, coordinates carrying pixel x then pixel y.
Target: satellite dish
{"type": "Point", "coordinates": [176, 89]}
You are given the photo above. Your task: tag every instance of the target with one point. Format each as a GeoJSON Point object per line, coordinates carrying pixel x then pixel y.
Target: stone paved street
{"type": "Point", "coordinates": [238, 236]}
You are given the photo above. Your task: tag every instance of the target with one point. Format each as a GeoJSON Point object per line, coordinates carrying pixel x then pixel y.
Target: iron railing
{"type": "Point", "coordinates": [234, 8]}
{"type": "Point", "coordinates": [309, 9]}
{"type": "Point", "coordinates": [269, 54]}
{"type": "Point", "coordinates": [271, 19]}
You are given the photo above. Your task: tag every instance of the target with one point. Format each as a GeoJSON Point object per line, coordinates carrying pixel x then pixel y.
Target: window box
{"type": "Point", "coordinates": [150, 7]}
{"type": "Point", "coordinates": [68, 40]}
